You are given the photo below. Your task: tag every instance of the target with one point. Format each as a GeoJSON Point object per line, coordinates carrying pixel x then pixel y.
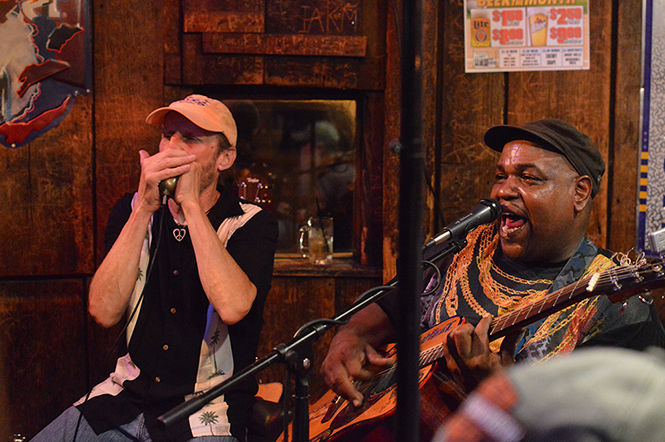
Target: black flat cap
{"type": "Point", "coordinates": [557, 136]}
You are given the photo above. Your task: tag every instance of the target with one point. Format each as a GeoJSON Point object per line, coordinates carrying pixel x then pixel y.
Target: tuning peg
{"type": "Point", "coordinates": [659, 270]}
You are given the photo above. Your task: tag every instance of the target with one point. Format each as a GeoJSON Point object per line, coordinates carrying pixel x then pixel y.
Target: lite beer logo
{"type": "Point", "coordinates": [44, 63]}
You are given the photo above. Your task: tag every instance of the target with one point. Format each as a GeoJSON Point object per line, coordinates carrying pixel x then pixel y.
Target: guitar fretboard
{"type": "Point", "coordinates": [612, 280]}
{"type": "Point", "coordinates": [615, 280]}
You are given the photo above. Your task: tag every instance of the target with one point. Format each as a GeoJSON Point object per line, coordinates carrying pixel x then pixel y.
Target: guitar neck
{"type": "Point", "coordinates": [584, 288]}
{"type": "Point", "coordinates": [551, 303]}
{"type": "Point", "coordinates": [620, 283]}
{"type": "Point", "coordinates": [518, 318]}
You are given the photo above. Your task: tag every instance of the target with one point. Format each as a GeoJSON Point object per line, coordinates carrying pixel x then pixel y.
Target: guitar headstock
{"type": "Point", "coordinates": [622, 282]}
{"type": "Point", "coordinates": [617, 283]}
{"type": "Point", "coordinates": [255, 188]}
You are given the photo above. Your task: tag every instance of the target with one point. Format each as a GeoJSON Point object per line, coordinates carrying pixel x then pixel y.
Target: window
{"type": "Point", "coordinates": [298, 159]}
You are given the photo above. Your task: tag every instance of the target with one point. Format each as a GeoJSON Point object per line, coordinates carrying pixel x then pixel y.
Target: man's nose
{"type": "Point", "coordinates": [505, 189]}
{"type": "Point", "coordinates": [176, 141]}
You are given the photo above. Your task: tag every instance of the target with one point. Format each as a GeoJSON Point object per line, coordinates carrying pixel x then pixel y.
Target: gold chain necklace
{"type": "Point", "coordinates": [503, 297]}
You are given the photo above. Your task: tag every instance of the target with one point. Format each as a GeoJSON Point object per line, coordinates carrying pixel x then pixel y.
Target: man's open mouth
{"type": "Point", "coordinates": [511, 222]}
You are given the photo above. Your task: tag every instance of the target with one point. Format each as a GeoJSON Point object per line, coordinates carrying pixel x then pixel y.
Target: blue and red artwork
{"type": "Point", "coordinates": [44, 64]}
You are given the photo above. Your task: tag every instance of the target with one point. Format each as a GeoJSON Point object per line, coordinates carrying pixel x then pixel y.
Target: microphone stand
{"type": "Point", "coordinates": [297, 355]}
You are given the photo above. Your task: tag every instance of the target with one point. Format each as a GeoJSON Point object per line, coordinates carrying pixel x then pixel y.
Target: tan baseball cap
{"type": "Point", "coordinates": [206, 113]}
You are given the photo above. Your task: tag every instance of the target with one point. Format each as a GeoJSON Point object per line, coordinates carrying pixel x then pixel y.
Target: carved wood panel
{"type": "Point", "coordinates": [319, 43]}
{"type": "Point", "coordinates": [327, 17]}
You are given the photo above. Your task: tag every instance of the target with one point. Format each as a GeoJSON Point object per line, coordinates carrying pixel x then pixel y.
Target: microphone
{"type": "Point", "coordinates": [485, 212]}
{"type": "Point", "coordinates": [167, 187]}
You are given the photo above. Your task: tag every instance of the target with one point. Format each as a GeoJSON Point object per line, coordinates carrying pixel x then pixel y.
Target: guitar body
{"type": "Point", "coordinates": [334, 418]}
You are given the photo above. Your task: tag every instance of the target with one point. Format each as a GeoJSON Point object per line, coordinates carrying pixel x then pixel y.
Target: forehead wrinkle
{"type": "Point", "coordinates": [520, 155]}
{"type": "Point", "coordinates": [521, 167]}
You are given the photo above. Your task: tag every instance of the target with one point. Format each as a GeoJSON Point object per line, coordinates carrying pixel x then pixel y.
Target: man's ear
{"type": "Point", "coordinates": [583, 189]}
{"type": "Point", "coordinates": [226, 159]}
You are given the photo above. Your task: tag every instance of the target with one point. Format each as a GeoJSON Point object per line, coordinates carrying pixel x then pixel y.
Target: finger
{"type": "Point", "coordinates": [454, 362]}
{"type": "Point", "coordinates": [173, 171]}
{"type": "Point", "coordinates": [341, 383]}
{"type": "Point", "coordinates": [375, 358]}
{"type": "Point", "coordinates": [164, 164]}
{"type": "Point", "coordinates": [508, 346]}
{"type": "Point", "coordinates": [482, 333]}
{"type": "Point", "coordinates": [165, 160]}
{"type": "Point", "coordinates": [170, 156]}
{"type": "Point", "coordinates": [463, 338]}
{"type": "Point", "coordinates": [482, 328]}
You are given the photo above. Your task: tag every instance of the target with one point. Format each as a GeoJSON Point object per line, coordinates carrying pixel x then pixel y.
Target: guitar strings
{"type": "Point", "coordinates": [610, 276]}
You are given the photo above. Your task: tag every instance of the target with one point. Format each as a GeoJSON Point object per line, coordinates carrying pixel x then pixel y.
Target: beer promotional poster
{"type": "Point", "coordinates": [526, 35]}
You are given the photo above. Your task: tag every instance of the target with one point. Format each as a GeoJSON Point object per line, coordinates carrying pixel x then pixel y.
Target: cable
{"type": "Point", "coordinates": [439, 281]}
{"type": "Point", "coordinates": [131, 316]}
{"type": "Point", "coordinates": [318, 321]}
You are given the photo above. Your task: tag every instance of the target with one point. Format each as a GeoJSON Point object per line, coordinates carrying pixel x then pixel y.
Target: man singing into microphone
{"type": "Point", "coordinates": [546, 178]}
{"type": "Point", "coordinates": [190, 277]}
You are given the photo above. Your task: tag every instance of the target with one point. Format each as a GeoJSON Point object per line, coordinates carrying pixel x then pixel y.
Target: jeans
{"type": "Point", "coordinates": [63, 427]}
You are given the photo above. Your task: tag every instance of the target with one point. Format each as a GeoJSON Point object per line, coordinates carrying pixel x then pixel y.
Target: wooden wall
{"type": "Point", "coordinates": [602, 101]}
{"type": "Point", "coordinates": [58, 191]}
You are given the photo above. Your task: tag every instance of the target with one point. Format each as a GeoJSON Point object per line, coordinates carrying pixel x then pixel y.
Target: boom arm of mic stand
{"type": "Point", "coordinates": [282, 353]}
{"type": "Point", "coordinates": [438, 253]}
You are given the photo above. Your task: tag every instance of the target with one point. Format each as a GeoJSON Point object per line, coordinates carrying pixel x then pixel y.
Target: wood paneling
{"type": "Point", "coordinates": [128, 85]}
{"type": "Point", "coordinates": [470, 103]}
{"type": "Point", "coordinates": [56, 200]}
{"type": "Point", "coordinates": [582, 98]}
{"type": "Point", "coordinates": [392, 120]}
{"type": "Point", "coordinates": [621, 176]}
{"type": "Point", "coordinates": [331, 17]}
{"type": "Point", "coordinates": [369, 182]}
{"type": "Point", "coordinates": [43, 366]}
{"type": "Point", "coordinates": [291, 303]}
{"type": "Point", "coordinates": [301, 294]}
{"type": "Point", "coordinates": [224, 15]}
{"type": "Point", "coordinates": [289, 43]}
{"type": "Point", "coordinates": [317, 45]}
{"type": "Point", "coordinates": [46, 213]}
{"type": "Point", "coordinates": [430, 69]}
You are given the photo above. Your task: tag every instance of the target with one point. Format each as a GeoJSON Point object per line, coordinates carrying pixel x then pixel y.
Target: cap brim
{"type": "Point", "coordinates": [156, 117]}
{"type": "Point", "coordinates": [498, 136]}
{"type": "Point", "coordinates": [219, 120]}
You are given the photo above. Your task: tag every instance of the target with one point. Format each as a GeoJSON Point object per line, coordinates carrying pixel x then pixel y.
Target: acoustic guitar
{"type": "Point", "coordinates": [256, 189]}
{"type": "Point", "coordinates": [334, 418]}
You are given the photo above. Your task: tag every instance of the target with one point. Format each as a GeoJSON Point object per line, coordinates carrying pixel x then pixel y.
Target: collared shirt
{"type": "Point", "coordinates": [178, 346]}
